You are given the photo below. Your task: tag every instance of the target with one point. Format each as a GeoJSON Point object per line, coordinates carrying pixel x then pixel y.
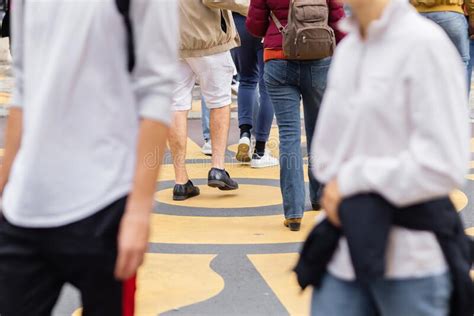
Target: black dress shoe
{"type": "Point", "coordinates": [183, 192]}
{"type": "Point", "coordinates": [221, 179]}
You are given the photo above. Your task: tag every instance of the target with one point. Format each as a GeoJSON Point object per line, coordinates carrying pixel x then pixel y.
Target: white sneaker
{"type": "Point", "coordinates": [206, 149]}
{"type": "Point", "coordinates": [267, 160]}
{"type": "Point", "coordinates": [243, 151]}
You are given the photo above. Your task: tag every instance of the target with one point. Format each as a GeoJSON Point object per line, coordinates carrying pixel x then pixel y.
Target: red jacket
{"type": "Point", "coordinates": [259, 22]}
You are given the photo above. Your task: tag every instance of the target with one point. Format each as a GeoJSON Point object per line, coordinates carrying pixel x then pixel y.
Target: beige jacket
{"type": "Point", "coordinates": [201, 30]}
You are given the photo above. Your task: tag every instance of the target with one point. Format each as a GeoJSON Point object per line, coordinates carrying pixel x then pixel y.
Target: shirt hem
{"type": "Point", "coordinates": [48, 222]}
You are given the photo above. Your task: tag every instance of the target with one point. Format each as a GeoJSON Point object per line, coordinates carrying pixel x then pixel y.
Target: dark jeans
{"type": "Point", "coordinates": [248, 59]}
{"type": "Point", "coordinates": [289, 82]}
{"type": "Point", "coordinates": [35, 263]}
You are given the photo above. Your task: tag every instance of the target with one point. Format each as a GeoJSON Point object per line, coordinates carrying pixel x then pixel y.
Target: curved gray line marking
{"type": "Point", "coordinates": [169, 209]}
{"type": "Point", "coordinates": [245, 291]}
{"type": "Point", "coordinates": [242, 249]}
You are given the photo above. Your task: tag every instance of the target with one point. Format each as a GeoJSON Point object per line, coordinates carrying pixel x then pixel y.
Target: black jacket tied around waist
{"type": "Point", "coordinates": [366, 220]}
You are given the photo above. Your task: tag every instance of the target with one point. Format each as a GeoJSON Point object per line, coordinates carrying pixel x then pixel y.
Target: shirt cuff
{"type": "Point", "coordinates": [156, 108]}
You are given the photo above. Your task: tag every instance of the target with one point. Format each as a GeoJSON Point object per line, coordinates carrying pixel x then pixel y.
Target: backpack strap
{"type": "Point", "coordinates": [123, 7]}
{"type": "Point", "coordinates": [277, 22]}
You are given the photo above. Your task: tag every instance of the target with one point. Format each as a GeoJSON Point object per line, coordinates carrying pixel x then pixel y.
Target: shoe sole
{"type": "Point", "coordinates": [268, 165]}
{"type": "Point", "coordinates": [221, 185]}
{"type": "Point", "coordinates": [294, 227]}
{"type": "Point", "coordinates": [183, 198]}
{"type": "Point", "coordinates": [243, 153]}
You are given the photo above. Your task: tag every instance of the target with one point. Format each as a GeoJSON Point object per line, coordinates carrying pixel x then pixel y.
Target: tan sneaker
{"type": "Point", "coordinates": [294, 224]}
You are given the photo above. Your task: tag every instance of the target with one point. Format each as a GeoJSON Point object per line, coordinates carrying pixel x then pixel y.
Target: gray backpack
{"type": "Point", "coordinates": [307, 36]}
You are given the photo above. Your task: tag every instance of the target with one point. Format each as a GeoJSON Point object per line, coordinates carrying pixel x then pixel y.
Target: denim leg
{"type": "Point", "coordinates": [280, 76]}
{"type": "Point", "coordinates": [246, 62]}
{"type": "Point", "coordinates": [265, 110]}
{"type": "Point", "coordinates": [471, 61]}
{"type": "Point", "coordinates": [413, 297]}
{"type": "Point", "coordinates": [337, 297]}
{"type": "Point", "coordinates": [456, 26]}
{"type": "Point", "coordinates": [205, 114]}
{"type": "Point", "coordinates": [313, 84]}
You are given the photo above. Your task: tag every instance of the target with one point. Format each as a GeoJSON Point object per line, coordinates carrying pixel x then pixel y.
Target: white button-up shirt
{"type": "Point", "coordinates": [394, 121]}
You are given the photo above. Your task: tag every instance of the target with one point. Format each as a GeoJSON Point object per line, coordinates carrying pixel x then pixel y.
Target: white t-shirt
{"type": "Point", "coordinates": [81, 106]}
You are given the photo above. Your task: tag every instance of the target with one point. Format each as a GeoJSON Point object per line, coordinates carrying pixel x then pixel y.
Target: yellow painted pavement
{"type": "Point", "coordinates": [470, 231]}
{"type": "Point", "coordinates": [248, 195]}
{"type": "Point", "coordinates": [226, 230]}
{"type": "Point", "coordinates": [168, 281]}
{"type": "Point", "coordinates": [459, 200]}
{"type": "Point", "coordinates": [276, 270]}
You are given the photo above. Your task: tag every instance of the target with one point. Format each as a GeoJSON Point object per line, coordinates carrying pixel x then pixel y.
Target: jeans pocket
{"type": "Point", "coordinates": [319, 74]}
{"type": "Point", "coordinates": [276, 72]}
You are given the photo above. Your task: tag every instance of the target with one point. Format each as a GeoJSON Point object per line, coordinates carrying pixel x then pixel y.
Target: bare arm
{"type": "Point", "coordinates": [134, 230]}
{"type": "Point", "coordinates": [12, 143]}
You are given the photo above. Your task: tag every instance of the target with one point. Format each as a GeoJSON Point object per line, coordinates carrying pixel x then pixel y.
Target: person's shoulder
{"type": "Point", "coordinates": [422, 32]}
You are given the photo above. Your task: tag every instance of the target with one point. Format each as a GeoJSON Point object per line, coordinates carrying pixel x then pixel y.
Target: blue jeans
{"type": "Point", "coordinates": [457, 28]}
{"type": "Point", "coordinates": [471, 61]}
{"type": "Point", "coordinates": [407, 297]}
{"type": "Point", "coordinates": [205, 114]}
{"type": "Point", "coordinates": [287, 83]}
{"type": "Point", "coordinates": [248, 60]}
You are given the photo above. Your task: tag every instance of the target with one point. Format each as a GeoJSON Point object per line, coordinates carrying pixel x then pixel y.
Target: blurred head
{"type": "Point", "coordinates": [356, 4]}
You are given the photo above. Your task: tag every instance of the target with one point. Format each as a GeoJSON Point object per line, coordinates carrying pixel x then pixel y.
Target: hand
{"type": "Point", "coordinates": [330, 202]}
{"type": "Point", "coordinates": [132, 243]}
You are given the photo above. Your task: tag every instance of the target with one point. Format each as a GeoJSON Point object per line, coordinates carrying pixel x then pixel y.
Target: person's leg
{"type": "Point", "coordinates": [205, 120]}
{"type": "Point", "coordinates": [313, 85]}
{"type": "Point", "coordinates": [280, 77]}
{"type": "Point", "coordinates": [178, 139]}
{"type": "Point", "coordinates": [456, 26]}
{"type": "Point", "coordinates": [265, 111]}
{"type": "Point", "coordinates": [178, 136]}
{"type": "Point", "coordinates": [262, 158]}
{"type": "Point", "coordinates": [337, 297]}
{"type": "Point", "coordinates": [220, 124]}
{"type": "Point", "coordinates": [216, 73]}
{"type": "Point", "coordinates": [29, 285]}
{"type": "Point", "coordinates": [85, 252]}
{"type": "Point", "coordinates": [413, 297]}
{"type": "Point", "coordinates": [245, 59]}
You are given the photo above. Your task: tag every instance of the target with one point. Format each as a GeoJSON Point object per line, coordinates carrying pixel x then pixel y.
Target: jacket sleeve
{"type": "Point", "coordinates": [153, 78]}
{"type": "Point", "coordinates": [239, 6]}
{"type": "Point", "coordinates": [258, 18]}
{"type": "Point", "coordinates": [336, 13]}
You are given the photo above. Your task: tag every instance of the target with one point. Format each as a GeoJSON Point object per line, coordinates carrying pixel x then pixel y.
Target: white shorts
{"type": "Point", "coordinates": [215, 74]}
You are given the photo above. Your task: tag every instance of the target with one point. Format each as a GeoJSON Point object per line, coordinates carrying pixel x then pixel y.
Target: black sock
{"type": "Point", "coordinates": [245, 128]}
{"type": "Point", "coordinates": [260, 148]}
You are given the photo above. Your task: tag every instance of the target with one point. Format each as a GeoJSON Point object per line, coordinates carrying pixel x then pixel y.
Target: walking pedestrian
{"type": "Point", "coordinates": [250, 67]}
{"type": "Point", "coordinates": [288, 81]}
{"type": "Point", "coordinates": [207, 35]}
{"type": "Point", "coordinates": [380, 166]}
{"type": "Point", "coordinates": [84, 140]}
